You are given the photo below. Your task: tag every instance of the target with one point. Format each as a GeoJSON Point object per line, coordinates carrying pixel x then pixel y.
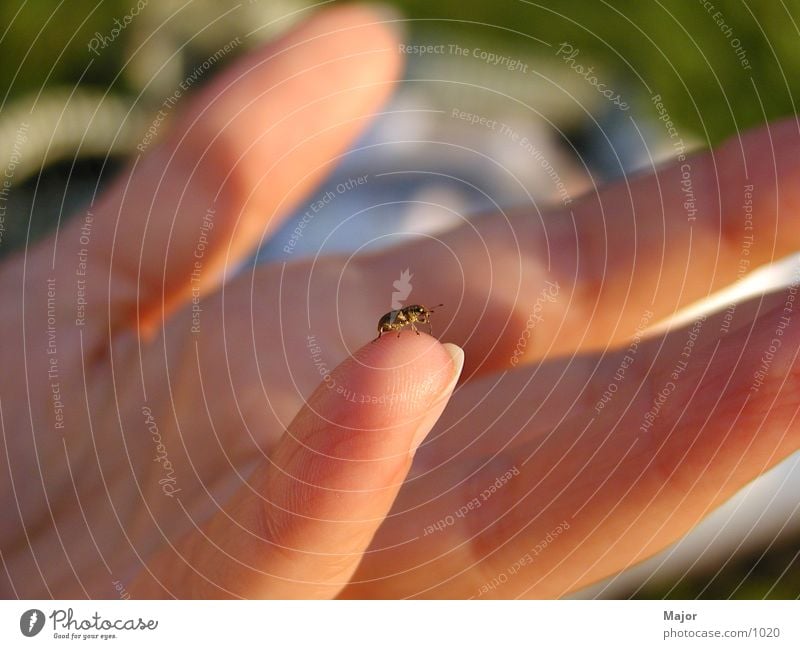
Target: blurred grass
{"type": "Point", "coordinates": [759, 574]}
{"type": "Point", "coordinates": [45, 43]}
{"type": "Point", "coordinates": [676, 48]}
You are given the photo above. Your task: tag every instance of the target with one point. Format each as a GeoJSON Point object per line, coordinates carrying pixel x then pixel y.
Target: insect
{"type": "Point", "coordinates": [407, 316]}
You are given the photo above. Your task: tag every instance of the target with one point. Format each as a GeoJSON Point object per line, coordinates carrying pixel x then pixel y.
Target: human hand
{"type": "Point", "coordinates": [578, 445]}
{"type": "Point", "coordinates": [149, 438]}
{"type": "Point", "coordinates": [262, 512]}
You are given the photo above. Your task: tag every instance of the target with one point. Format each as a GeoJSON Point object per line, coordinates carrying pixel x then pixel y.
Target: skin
{"type": "Point", "coordinates": [290, 488]}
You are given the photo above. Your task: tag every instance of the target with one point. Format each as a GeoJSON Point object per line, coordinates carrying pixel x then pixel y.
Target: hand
{"type": "Point", "coordinates": [199, 456]}
{"type": "Point", "coordinates": [578, 445]}
{"type": "Point", "coordinates": [156, 442]}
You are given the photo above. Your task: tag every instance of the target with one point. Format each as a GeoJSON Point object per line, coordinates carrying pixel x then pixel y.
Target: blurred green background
{"type": "Point", "coordinates": [677, 48]}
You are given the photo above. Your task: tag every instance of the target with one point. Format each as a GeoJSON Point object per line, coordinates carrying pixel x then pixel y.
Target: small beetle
{"type": "Point", "coordinates": [407, 316]}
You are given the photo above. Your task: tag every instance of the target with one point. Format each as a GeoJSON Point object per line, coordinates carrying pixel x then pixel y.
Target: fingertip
{"type": "Point", "coordinates": [413, 359]}
{"type": "Point", "coordinates": [393, 350]}
{"type": "Point", "coordinates": [428, 421]}
{"type": "Point", "coordinates": [384, 21]}
{"type": "Point", "coordinates": [374, 402]}
{"type": "Point", "coordinates": [456, 357]}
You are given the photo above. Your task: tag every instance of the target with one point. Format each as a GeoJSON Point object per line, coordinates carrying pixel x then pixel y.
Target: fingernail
{"type": "Point", "coordinates": [432, 416]}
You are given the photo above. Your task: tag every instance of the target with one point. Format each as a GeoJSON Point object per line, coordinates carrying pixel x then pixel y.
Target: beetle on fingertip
{"type": "Point", "coordinates": [408, 316]}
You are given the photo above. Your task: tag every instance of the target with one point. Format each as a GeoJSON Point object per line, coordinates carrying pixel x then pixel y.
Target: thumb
{"type": "Point", "coordinates": [302, 524]}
